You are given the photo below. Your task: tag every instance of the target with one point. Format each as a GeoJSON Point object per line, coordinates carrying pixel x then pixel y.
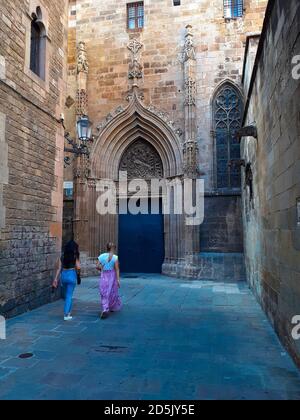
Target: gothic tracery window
{"type": "Point", "coordinates": [228, 114]}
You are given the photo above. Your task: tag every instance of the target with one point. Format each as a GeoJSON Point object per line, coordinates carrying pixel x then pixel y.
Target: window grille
{"type": "Point", "coordinates": [135, 13]}
{"type": "Point", "coordinates": [233, 9]}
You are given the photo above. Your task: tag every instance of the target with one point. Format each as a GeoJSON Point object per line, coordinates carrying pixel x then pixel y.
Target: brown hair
{"type": "Point", "coordinates": [110, 246]}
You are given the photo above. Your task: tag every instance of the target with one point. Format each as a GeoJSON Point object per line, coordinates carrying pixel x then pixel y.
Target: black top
{"type": "Point", "coordinates": [68, 262]}
{"type": "Point", "coordinates": [70, 256]}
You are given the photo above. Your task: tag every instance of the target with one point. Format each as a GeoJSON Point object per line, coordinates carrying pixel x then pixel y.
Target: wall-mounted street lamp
{"type": "Point", "coordinates": [84, 133]}
{"type": "Point", "coordinates": [84, 129]}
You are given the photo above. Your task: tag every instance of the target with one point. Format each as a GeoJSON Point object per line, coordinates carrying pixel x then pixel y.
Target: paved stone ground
{"type": "Point", "coordinates": [173, 340]}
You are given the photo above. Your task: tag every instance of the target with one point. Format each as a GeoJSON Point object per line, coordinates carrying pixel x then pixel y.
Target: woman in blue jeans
{"type": "Point", "coordinates": [68, 268]}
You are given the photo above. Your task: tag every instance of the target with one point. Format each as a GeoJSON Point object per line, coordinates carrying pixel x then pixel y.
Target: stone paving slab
{"type": "Point", "coordinates": [174, 339]}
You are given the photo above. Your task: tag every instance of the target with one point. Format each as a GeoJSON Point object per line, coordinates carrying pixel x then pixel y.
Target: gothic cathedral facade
{"type": "Point", "coordinates": [162, 83]}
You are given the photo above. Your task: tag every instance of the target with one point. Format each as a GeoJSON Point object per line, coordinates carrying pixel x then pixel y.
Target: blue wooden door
{"type": "Point", "coordinates": [141, 243]}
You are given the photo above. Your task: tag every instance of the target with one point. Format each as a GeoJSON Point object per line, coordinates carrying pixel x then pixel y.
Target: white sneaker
{"type": "Point", "coordinates": [68, 318]}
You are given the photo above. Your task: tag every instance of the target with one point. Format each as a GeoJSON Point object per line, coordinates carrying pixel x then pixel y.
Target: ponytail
{"type": "Point", "coordinates": [110, 249]}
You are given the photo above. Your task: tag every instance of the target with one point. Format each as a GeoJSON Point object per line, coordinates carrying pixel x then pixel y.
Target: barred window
{"type": "Point", "coordinates": [233, 8]}
{"type": "Point", "coordinates": [135, 13]}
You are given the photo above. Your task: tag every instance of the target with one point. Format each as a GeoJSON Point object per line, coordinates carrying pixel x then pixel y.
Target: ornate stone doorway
{"type": "Point", "coordinates": [141, 236]}
{"type": "Point", "coordinates": [144, 142]}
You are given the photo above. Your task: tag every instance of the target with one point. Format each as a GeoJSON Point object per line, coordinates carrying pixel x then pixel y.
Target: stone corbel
{"type": "Point", "coordinates": [247, 131]}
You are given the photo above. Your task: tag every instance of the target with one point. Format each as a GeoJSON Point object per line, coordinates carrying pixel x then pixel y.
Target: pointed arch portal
{"type": "Point", "coordinates": [126, 126]}
{"type": "Point", "coordinates": [144, 142]}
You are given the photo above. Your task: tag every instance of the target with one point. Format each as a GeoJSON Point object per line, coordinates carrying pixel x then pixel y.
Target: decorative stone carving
{"type": "Point", "coordinates": [161, 114]}
{"type": "Point", "coordinates": [138, 97]}
{"type": "Point", "coordinates": [82, 171]}
{"type": "Point", "coordinates": [189, 49]}
{"type": "Point", "coordinates": [135, 72]}
{"type": "Point", "coordinates": [141, 161]}
{"type": "Point", "coordinates": [191, 149]}
{"type": "Point", "coordinates": [131, 95]}
{"type": "Point", "coordinates": [92, 183]}
{"type": "Point", "coordinates": [69, 102]}
{"type": "Point", "coordinates": [82, 74]}
{"type": "Point", "coordinates": [190, 90]}
{"type": "Point", "coordinates": [119, 110]}
{"type": "Point", "coordinates": [141, 96]}
{"type": "Point", "coordinates": [179, 132]}
{"type": "Point", "coordinates": [82, 60]}
{"type": "Point", "coordinates": [110, 117]}
{"type": "Point", "coordinates": [81, 102]}
{"type": "Point", "coordinates": [135, 46]}
{"type": "Point", "coordinates": [164, 116]}
{"type": "Point", "coordinates": [191, 159]}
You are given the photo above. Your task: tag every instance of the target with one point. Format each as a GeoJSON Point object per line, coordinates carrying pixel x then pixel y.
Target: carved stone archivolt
{"type": "Point", "coordinates": [141, 161]}
{"type": "Point", "coordinates": [124, 126]}
{"type": "Point", "coordinates": [109, 118]}
{"type": "Point", "coordinates": [135, 98]}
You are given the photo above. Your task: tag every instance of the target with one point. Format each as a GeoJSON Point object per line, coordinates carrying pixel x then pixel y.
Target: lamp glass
{"type": "Point", "coordinates": [84, 128]}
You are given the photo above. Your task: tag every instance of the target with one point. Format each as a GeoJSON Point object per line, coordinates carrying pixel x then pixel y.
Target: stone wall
{"type": "Point", "coordinates": [220, 46]}
{"type": "Point", "coordinates": [222, 228]}
{"type": "Point", "coordinates": [271, 220]}
{"type": "Point", "coordinates": [31, 158]}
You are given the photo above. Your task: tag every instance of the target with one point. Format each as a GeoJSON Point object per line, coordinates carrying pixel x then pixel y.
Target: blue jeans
{"type": "Point", "coordinates": [69, 281]}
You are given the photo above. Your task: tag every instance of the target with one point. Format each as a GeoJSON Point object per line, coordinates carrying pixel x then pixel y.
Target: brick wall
{"type": "Point", "coordinates": [272, 229]}
{"type": "Point", "coordinates": [31, 158]}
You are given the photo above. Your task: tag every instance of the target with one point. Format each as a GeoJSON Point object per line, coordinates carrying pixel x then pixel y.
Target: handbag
{"type": "Point", "coordinates": [78, 278]}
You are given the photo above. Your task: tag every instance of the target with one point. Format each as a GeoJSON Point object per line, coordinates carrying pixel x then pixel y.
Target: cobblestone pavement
{"type": "Point", "coordinates": [173, 340]}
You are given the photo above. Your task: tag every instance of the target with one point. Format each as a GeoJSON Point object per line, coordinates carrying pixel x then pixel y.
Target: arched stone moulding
{"type": "Point", "coordinates": [215, 93]}
{"type": "Point", "coordinates": [43, 21]}
{"type": "Point", "coordinates": [127, 125]}
{"type": "Point", "coordinates": [220, 86]}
